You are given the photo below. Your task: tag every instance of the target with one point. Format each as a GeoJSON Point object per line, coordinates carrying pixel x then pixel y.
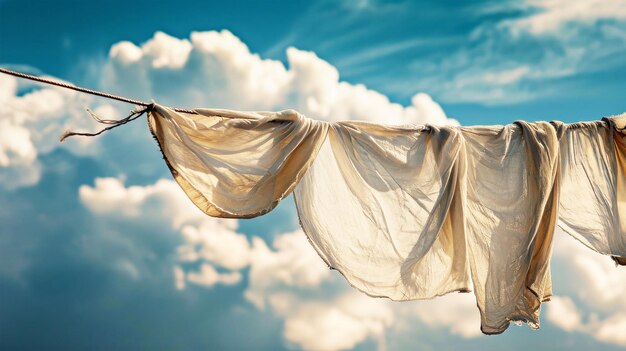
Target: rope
{"type": "Point", "coordinates": [113, 123]}
{"type": "Point", "coordinates": [134, 114]}
{"type": "Point", "coordinates": [84, 90]}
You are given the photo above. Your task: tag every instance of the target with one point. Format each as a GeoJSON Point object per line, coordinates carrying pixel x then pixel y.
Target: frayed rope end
{"type": "Point", "coordinates": [134, 114]}
{"type": "Point", "coordinates": [67, 133]}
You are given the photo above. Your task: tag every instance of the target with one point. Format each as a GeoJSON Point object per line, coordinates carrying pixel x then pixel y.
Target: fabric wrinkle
{"type": "Point", "coordinates": [415, 212]}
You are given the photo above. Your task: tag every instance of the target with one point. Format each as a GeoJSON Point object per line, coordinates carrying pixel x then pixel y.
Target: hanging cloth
{"type": "Point", "coordinates": [408, 213]}
{"type": "Point", "coordinates": [415, 212]}
{"type": "Point", "coordinates": [236, 164]}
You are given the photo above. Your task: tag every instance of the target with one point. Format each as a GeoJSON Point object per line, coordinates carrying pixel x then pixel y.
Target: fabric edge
{"type": "Point", "coordinates": [200, 200]}
{"type": "Point", "coordinates": [192, 193]}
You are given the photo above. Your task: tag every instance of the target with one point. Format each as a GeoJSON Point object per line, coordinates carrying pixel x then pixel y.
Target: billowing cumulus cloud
{"type": "Point", "coordinates": [291, 265]}
{"type": "Point", "coordinates": [109, 196]}
{"type": "Point", "coordinates": [600, 309]}
{"type": "Point", "coordinates": [455, 312]}
{"type": "Point", "coordinates": [31, 121]}
{"type": "Point", "coordinates": [562, 311]}
{"type": "Point", "coordinates": [211, 69]}
{"type": "Point", "coordinates": [338, 324]}
{"type": "Point", "coordinates": [294, 283]}
{"type": "Point", "coordinates": [216, 69]}
{"type": "Point", "coordinates": [212, 242]}
{"type": "Point", "coordinates": [319, 309]}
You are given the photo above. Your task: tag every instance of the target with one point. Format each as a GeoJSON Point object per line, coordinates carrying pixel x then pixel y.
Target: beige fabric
{"type": "Point", "coordinates": [414, 213]}
{"type": "Point", "coordinates": [593, 183]}
{"type": "Point", "coordinates": [384, 206]}
{"type": "Point", "coordinates": [511, 211]}
{"type": "Point", "coordinates": [419, 208]}
{"type": "Point", "coordinates": [236, 164]}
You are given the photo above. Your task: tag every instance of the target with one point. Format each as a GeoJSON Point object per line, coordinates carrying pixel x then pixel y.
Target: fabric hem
{"type": "Point", "coordinates": [534, 325]}
{"type": "Point", "coordinates": [206, 205]}
{"type": "Point", "coordinates": [350, 282]}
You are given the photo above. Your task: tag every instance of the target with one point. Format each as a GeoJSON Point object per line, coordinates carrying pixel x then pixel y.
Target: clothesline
{"type": "Point", "coordinates": [113, 123]}
{"type": "Point", "coordinates": [85, 90]}
{"type": "Point", "coordinates": [403, 212]}
{"type": "Point", "coordinates": [147, 107]}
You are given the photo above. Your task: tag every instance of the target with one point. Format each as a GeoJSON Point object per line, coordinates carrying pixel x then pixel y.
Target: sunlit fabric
{"type": "Point", "coordinates": [415, 212]}
{"type": "Point", "coordinates": [236, 164]}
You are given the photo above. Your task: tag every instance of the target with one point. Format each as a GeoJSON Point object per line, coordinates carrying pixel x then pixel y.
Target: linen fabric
{"type": "Point", "coordinates": [236, 164]}
{"type": "Point", "coordinates": [415, 212]}
{"type": "Point", "coordinates": [593, 181]}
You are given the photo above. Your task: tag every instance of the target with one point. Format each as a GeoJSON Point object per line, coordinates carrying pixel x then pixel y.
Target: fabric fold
{"type": "Point", "coordinates": [383, 206]}
{"type": "Point", "coordinates": [415, 212]}
{"type": "Point", "coordinates": [236, 164]}
{"type": "Point", "coordinates": [593, 184]}
{"type": "Point", "coordinates": [511, 213]}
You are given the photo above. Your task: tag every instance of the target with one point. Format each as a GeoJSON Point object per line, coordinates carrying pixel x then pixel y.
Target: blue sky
{"type": "Point", "coordinates": [100, 250]}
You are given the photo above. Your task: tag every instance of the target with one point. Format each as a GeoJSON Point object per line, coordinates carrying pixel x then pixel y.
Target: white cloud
{"type": "Point", "coordinates": [209, 276]}
{"type": "Point", "coordinates": [15, 145]}
{"type": "Point", "coordinates": [612, 330]}
{"type": "Point", "coordinates": [213, 242]}
{"type": "Point", "coordinates": [166, 51]}
{"type": "Point", "coordinates": [288, 278]}
{"type": "Point", "coordinates": [600, 282]}
{"type": "Point", "coordinates": [110, 195]}
{"type": "Point", "coordinates": [599, 287]}
{"type": "Point", "coordinates": [339, 324]}
{"type": "Point", "coordinates": [216, 69]}
{"type": "Point", "coordinates": [549, 16]}
{"type": "Point", "coordinates": [211, 69]}
{"type": "Point", "coordinates": [507, 76]}
{"type": "Point", "coordinates": [30, 126]}
{"type": "Point", "coordinates": [292, 265]}
{"type": "Point", "coordinates": [456, 312]}
{"type": "Point", "coordinates": [217, 243]}
{"type": "Point", "coordinates": [563, 313]}
{"type": "Point", "coordinates": [179, 278]}
{"type": "Point", "coordinates": [125, 53]}
{"type": "Point", "coordinates": [163, 199]}
{"type": "Point", "coordinates": [18, 156]}
{"type": "Point", "coordinates": [295, 284]}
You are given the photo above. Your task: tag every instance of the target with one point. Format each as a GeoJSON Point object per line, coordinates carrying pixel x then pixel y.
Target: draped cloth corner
{"type": "Point", "coordinates": [415, 212]}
